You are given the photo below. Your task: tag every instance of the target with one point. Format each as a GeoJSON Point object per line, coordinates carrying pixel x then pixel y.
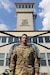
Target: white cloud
{"type": "Point", "coordinates": [45, 6]}
{"type": "Point", "coordinates": [3, 27]}
{"type": "Point", "coordinates": [6, 4]}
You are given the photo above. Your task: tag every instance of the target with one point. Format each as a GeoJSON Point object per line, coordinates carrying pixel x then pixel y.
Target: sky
{"type": "Point", "coordinates": [8, 14]}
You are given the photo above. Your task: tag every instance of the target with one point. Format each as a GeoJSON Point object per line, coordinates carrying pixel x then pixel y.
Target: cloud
{"type": "Point", "coordinates": [3, 27]}
{"type": "Point", "coordinates": [45, 13]}
{"type": "Point", "coordinates": [6, 4]}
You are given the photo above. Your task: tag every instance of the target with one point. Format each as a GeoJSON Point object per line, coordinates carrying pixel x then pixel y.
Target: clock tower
{"type": "Point", "coordinates": [25, 16]}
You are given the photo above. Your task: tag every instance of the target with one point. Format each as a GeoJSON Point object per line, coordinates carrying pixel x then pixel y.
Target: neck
{"type": "Point", "coordinates": [24, 44]}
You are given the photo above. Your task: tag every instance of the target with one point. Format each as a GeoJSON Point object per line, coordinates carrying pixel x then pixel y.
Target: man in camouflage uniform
{"type": "Point", "coordinates": [24, 61]}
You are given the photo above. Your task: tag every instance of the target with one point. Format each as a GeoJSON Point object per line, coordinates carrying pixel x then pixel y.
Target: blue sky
{"type": "Point", "coordinates": [8, 14]}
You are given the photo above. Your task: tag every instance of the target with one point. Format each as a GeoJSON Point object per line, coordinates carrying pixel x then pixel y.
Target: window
{"type": "Point", "coordinates": [32, 6]}
{"type": "Point", "coordinates": [19, 6]}
{"type": "Point", "coordinates": [7, 60]}
{"type": "Point", "coordinates": [3, 39]}
{"type": "Point", "coordinates": [10, 39]}
{"type": "Point", "coordinates": [16, 39]}
{"type": "Point", "coordinates": [22, 6]}
{"type": "Point", "coordinates": [40, 39]}
{"type": "Point", "coordinates": [47, 39]}
{"type": "Point", "coordinates": [29, 39]}
{"type": "Point", "coordinates": [25, 6]}
{"type": "Point", "coordinates": [43, 59]}
{"type": "Point", "coordinates": [16, 6]}
{"type": "Point", "coordinates": [2, 55]}
{"type": "Point", "coordinates": [29, 6]}
{"type": "Point", "coordinates": [0, 38]}
{"type": "Point", "coordinates": [48, 56]}
{"type": "Point", "coordinates": [35, 39]}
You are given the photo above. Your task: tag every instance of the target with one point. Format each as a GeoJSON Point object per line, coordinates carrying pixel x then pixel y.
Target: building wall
{"type": "Point", "coordinates": [25, 21]}
{"type": "Point", "coordinates": [31, 34]}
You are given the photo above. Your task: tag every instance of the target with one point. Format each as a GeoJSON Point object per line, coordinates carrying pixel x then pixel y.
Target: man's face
{"type": "Point", "coordinates": [24, 39]}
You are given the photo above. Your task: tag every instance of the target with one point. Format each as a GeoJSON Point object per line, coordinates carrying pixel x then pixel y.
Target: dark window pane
{"type": "Point", "coordinates": [42, 55]}
{"type": "Point", "coordinates": [48, 55]}
{"type": "Point", "coordinates": [3, 39]}
{"type": "Point", "coordinates": [16, 6]}
{"type": "Point", "coordinates": [32, 6]}
{"type": "Point", "coordinates": [22, 6]}
{"type": "Point", "coordinates": [29, 6]}
{"type": "Point", "coordinates": [35, 39]}
{"type": "Point", "coordinates": [19, 6]}
{"type": "Point", "coordinates": [1, 62]}
{"type": "Point", "coordinates": [7, 59]}
{"type": "Point", "coordinates": [2, 55]}
{"type": "Point", "coordinates": [7, 62]}
{"type": "Point", "coordinates": [7, 55]}
{"type": "Point", "coordinates": [47, 39]}
{"type": "Point", "coordinates": [43, 62]}
{"type": "Point", "coordinates": [17, 39]}
{"type": "Point", "coordinates": [0, 38]}
{"type": "Point", "coordinates": [25, 6]}
{"type": "Point", "coordinates": [40, 39]}
{"type": "Point", "coordinates": [10, 39]}
{"type": "Point", "coordinates": [49, 62]}
{"type": "Point", "coordinates": [29, 39]}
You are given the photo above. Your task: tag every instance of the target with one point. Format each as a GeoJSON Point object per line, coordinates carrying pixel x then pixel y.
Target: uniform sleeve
{"type": "Point", "coordinates": [12, 63]}
{"type": "Point", "coordinates": [36, 64]}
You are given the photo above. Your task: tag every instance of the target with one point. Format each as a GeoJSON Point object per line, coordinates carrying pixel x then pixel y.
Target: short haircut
{"type": "Point", "coordinates": [23, 35]}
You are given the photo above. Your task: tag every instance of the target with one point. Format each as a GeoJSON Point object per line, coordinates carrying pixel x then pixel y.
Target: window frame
{"type": "Point", "coordinates": [3, 39]}
{"type": "Point", "coordinates": [48, 59]}
{"type": "Point", "coordinates": [2, 58]}
{"type": "Point", "coordinates": [39, 39]}
{"type": "Point", "coordinates": [7, 59]}
{"type": "Point", "coordinates": [10, 38]}
{"type": "Point", "coordinates": [47, 39]}
{"type": "Point", "coordinates": [43, 59]}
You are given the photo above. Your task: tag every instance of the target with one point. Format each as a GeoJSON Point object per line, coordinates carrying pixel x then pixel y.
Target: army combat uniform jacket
{"type": "Point", "coordinates": [23, 61]}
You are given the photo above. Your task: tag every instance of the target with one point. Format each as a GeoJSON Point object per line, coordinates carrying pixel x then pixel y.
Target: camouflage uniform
{"type": "Point", "coordinates": [23, 61]}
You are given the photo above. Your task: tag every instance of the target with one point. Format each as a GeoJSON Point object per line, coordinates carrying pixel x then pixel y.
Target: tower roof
{"type": "Point", "coordinates": [24, 3]}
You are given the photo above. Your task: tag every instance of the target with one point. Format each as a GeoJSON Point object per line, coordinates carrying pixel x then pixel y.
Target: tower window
{"type": "Point", "coordinates": [16, 6]}
{"type": "Point", "coordinates": [29, 6]}
{"type": "Point", "coordinates": [3, 39]}
{"type": "Point", "coordinates": [22, 6]}
{"type": "Point", "coordinates": [25, 6]}
{"type": "Point", "coordinates": [19, 6]}
{"type": "Point", "coordinates": [32, 6]}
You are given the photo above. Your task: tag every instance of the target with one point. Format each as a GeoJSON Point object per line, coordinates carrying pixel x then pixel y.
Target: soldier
{"type": "Point", "coordinates": [24, 61]}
